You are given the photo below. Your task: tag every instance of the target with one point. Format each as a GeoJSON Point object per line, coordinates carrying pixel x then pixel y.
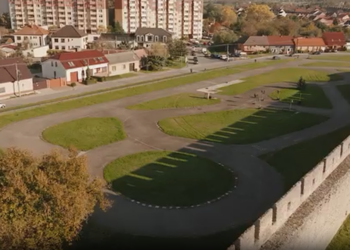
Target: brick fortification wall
{"type": "Point", "coordinates": [310, 213]}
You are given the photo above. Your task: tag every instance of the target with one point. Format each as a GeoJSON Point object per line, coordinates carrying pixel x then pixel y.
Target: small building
{"type": "Point", "coordinates": [15, 78]}
{"type": "Point", "coordinates": [256, 44]}
{"type": "Point", "coordinates": [146, 36]}
{"type": "Point", "coordinates": [334, 40]}
{"type": "Point", "coordinates": [69, 38]}
{"type": "Point", "coordinates": [312, 44]}
{"type": "Point", "coordinates": [31, 36]}
{"type": "Point", "coordinates": [115, 40]}
{"type": "Point", "coordinates": [73, 66]}
{"type": "Point", "coordinates": [123, 63]}
{"type": "Point", "coordinates": [280, 44]}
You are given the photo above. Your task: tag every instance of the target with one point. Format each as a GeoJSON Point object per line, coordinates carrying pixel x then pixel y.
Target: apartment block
{"type": "Point", "coordinates": [91, 16]}
{"type": "Point", "coordinates": [183, 18]}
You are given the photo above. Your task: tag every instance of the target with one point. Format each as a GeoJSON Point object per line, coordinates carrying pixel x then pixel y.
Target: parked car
{"type": "Point", "coordinates": [2, 105]}
{"type": "Point", "coordinates": [223, 57]}
{"type": "Point", "coordinates": [276, 58]}
{"type": "Point", "coordinates": [193, 53]}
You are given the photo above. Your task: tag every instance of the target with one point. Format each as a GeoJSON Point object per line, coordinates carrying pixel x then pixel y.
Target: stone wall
{"type": "Point", "coordinates": [332, 194]}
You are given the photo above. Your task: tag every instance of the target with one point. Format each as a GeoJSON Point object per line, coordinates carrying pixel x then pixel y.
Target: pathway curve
{"type": "Point", "coordinates": [258, 187]}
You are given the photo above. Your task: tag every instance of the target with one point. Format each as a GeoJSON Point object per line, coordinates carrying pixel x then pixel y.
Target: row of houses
{"type": "Point", "coordinates": [65, 68]}
{"type": "Point", "coordinates": [330, 41]}
{"type": "Point", "coordinates": [36, 41]}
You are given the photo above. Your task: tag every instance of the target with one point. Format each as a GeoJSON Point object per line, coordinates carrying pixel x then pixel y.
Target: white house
{"type": "Point", "coordinates": [69, 38]}
{"type": "Point", "coordinates": [15, 78]}
{"type": "Point", "coordinates": [73, 65]}
{"type": "Point", "coordinates": [123, 63]}
{"type": "Point", "coordinates": [31, 36]}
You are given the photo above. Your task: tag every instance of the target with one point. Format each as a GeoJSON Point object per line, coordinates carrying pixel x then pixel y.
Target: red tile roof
{"type": "Point", "coordinates": [32, 30]}
{"type": "Point", "coordinates": [334, 38]}
{"type": "Point", "coordinates": [71, 60]}
{"type": "Point", "coordinates": [280, 40]}
{"type": "Point", "coordinates": [313, 41]}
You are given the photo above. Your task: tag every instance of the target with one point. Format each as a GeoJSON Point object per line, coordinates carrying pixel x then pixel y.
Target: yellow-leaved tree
{"type": "Point", "coordinates": [259, 13]}
{"type": "Point", "coordinates": [228, 16]}
{"type": "Point", "coordinates": [44, 201]}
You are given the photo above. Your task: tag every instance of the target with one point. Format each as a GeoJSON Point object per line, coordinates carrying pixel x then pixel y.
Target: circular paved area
{"type": "Point", "coordinates": [258, 185]}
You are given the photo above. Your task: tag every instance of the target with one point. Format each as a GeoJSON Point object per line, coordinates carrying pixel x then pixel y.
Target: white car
{"type": "Point", "coordinates": [2, 105]}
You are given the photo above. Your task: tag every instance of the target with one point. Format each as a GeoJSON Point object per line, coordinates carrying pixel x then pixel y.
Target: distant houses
{"type": "Point", "coordinates": [330, 41]}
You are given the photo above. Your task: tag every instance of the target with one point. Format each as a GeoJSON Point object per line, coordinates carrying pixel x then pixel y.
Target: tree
{"type": "Point", "coordinates": [212, 12]}
{"type": "Point", "coordinates": [224, 36]}
{"type": "Point", "coordinates": [228, 16]}
{"type": "Point", "coordinates": [117, 28]}
{"type": "Point", "coordinates": [177, 48]}
{"type": "Point", "coordinates": [44, 201]}
{"type": "Point", "coordinates": [259, 13]}
{"type": "Point", "coordinates": [101, 29]}
{"type": "Point", "coordinates": [5, 20]}
{"type": "Point", "coordinates": [214, 27]}
{"type": "Point", "coordinates": [153, 63]}
{"type": "Point", "coordinates": [335, 21]}
{"type": "Point", "coordinates": [88, 75]}
{"type": "Point", "coordinates": [158, 49]}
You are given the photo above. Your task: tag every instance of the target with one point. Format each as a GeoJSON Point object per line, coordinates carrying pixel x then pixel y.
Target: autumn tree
{"type": "Point", "coordinates": [259, 13]}
{"type": "Point", "coordinates": [228, 16]}
{"type": "Point", "coordinates": [5, 20]}
{"type": "Point", "coordinates": [117, 28]}
{"type": "Point", "coordinates": [212, 11]}
{"type": "Point", "coordinates": [215, 27]}
{"type": "Point", "coordinates": [224, 37]}
{"type": "Point", "coordinates": [159, 49]}
{"type": "Point", "coordinates": [177, 48]}
{"type": "Point", "coordinates": [44, 201]}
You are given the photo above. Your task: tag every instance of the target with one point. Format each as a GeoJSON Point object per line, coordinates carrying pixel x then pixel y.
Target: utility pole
{"type": "Point", "coordinates": [17, 78]}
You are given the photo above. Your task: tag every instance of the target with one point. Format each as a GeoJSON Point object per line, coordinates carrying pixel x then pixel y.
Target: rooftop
{"type": "Point", "coordinates": [8, 70]}
{"type": "Point", "coordinates": [32, 30]}
{"type": "Point", "coordinates": [69, 31]}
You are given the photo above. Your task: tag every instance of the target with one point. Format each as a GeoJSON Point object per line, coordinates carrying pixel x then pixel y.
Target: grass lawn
{"type": "Point", "coordinates": [341, 240]}
{"type": "Point", "coordinates": [168, 178]}
{"type": "Point", "coordinates": [240, 126]}
{"type": "Point", "coordinates": [345, 91]}
{"type": "Point", "coordinates": [125, 92]}
{"type": "Point", "coordinates": [311, 96]}
{"type": "Point", "coordinates": [345, 58]}
{"type": "Point", "coordinates": [328, 64]}
{"type": "Point", "coordinates": [175, 101]}
{"type": "Point", "coordinates": [295, 161]}
{"type": "Point", "coordinates": [85, 133]}
{"type": "Point", "coordinates": [280, 75]}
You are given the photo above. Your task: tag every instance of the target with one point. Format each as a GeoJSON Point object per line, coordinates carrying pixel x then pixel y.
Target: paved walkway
{"type": "Point", "coordinates": [258, 187]}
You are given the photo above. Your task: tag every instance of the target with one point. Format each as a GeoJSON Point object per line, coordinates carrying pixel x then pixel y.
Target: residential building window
{"type": "Point", "coordinates": [56, 47]}
{"type": "Point", "coordinates": [55, 64]}
{"type": "Point", "coordinates": [62, 40]}
{"type": "Point", "coordinates": [19, 38]}
{"type": "Point", "coordinates": [156, 38]}
{"type": "Point", "coordinates": [54, 74]}
{"type": "Point", "coordinates": [51, 64]}
{"type": "Point", "coordinates": [114, 68]}
{"type": "Point", "coordinates": [149, 38]}
{"type": "Point", "coordinates": [164, 39]}
{"type": "Point", "coordinates": [124, 66]}
{"type": "Point", "coordinates": [71, 64]}
{"type": "Point", "coordinates": [63, 47]}
{"type": "Point", "coordinates": [56, 40]}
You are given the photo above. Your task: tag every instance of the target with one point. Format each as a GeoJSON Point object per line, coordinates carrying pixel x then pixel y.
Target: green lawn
{"type": "Point", "coordinates": [328, 64]}
{"type": "Point", "coordinates": [311, 96]}
{"type": "Point", "coordinates": [85, 133]}
{"type": "Point", "coordinates": [333, 57]}
{"type": "Point", "coordinates": [341, 240]}
{"type": "Point", "coordinates": [280, 75]}
{"type": "Point", "coordinates": [295, 161]}
{"type": "Point", "coordinates": [175, 101]}
{"type": "Point", "coordinates": [132, 91]}
{"type": "Point", "coordinates": [168, 178]}
{"type": "Point", "coordinates": [345, 91]}
{"type": "Point", "coordinates": [240, 126]}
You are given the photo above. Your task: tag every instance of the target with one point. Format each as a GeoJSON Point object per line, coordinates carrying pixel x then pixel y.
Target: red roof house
{"type": "Point", "coordinates": [334, 40]}
{"type": "Point", "coordinates": [73, 65]}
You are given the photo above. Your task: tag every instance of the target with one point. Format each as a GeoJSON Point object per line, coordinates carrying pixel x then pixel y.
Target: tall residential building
{"type": "Point", "coordinates": [183, 18]}
{"type": "Point", "coordinates": [90, 16]}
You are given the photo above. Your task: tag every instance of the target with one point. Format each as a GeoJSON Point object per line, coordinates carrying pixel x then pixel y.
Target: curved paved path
{"type": "Point", "coordinates": [258, 185]}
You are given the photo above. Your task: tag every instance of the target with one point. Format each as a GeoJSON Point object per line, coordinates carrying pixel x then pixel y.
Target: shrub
{"type": "Point", "coordinates": [90, 81]}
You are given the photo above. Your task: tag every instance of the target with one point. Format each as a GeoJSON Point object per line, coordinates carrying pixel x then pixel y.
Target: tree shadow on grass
{"type": "Point", "coordinates": [178, 179]}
